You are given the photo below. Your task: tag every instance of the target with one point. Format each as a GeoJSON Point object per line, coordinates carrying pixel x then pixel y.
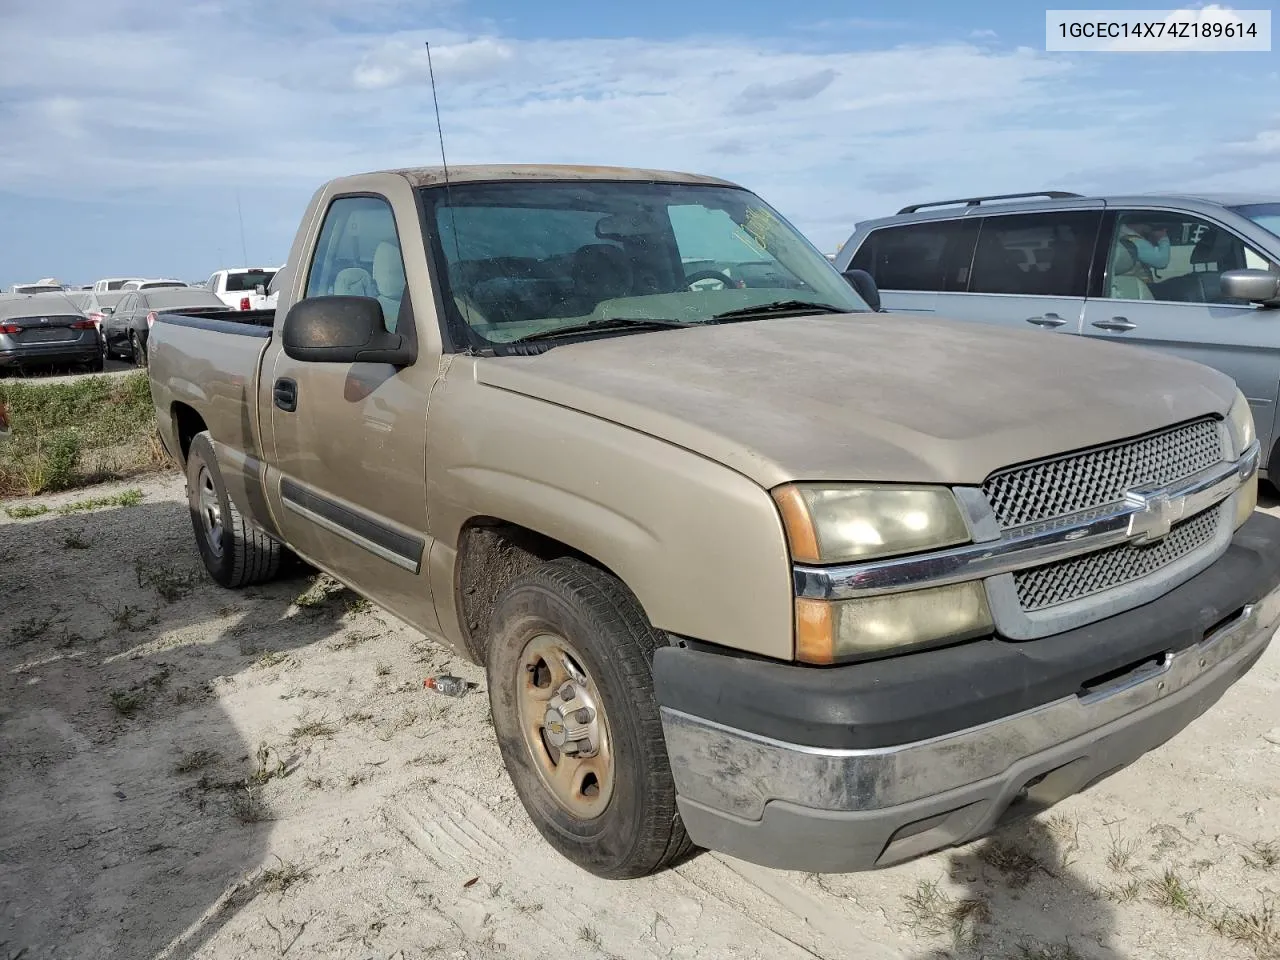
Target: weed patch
{"type": "Point", "coordinates": [25, 511]}
{"type": "Point", "coordinates": [76, 540]}
{"type": "Point", "coordinates": [170, 584]}
{"type": "Point", "coordinates": [933, 912]}
{"type": "Point", "coordinates": [307, 729]}
{"type": "Point", "coordinates": [196, 760]}
{"type": "Point", "coordinates": [77, 432]}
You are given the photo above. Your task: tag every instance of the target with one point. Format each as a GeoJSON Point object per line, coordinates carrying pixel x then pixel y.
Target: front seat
{"type": "Point", "coordinates": [1124, 284]}
{"type": "Point", "coordinates": [353, 282]}
{"type": "Point", "coordinates": [600, 271]}
{"type": "Point", "coordinates": [388, 275]}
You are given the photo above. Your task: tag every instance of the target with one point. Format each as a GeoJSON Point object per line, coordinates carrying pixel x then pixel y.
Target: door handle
{"type": "Point", "coordinates": [1048, 320]}
{"type": "Point", "coordinates": [285, 393]}
{"type": "Point", "coordinates": [1115, 323]}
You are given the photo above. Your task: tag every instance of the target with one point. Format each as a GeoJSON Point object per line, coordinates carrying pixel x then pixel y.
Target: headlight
{"type": "Point", "coordinates": [828, 631]}
{"type": "Point", "coordinates": [1240, 424]}
{"type": "Point", "coordinates": [828, 523]}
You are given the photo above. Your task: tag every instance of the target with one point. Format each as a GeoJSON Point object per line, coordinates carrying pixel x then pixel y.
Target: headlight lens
{"type": "Point", "coordinates": [828, 631]}
{"type": "Point", "coordinates": [1240, 424]}
{"type": "Point", "coordinates": [840, 523]}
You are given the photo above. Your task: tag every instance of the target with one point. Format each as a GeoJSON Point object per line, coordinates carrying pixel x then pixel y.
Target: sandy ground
{"type": "Point", "coordinates": [191, 772]}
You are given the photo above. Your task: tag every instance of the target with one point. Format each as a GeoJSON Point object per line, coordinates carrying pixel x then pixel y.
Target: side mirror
{"type": "Point", "coordinates": [1253, 286]}
{"type": "Point", "coordinates": [865, 285]}
{"type": "Point", "coordinates": [343, 330]}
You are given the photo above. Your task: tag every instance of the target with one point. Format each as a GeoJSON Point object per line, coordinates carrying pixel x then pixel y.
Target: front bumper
{"type": "Point", "coordinates": [790, 804]}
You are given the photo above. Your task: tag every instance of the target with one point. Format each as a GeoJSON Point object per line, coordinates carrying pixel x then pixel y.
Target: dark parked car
{"type": "Point", "coordinates": [126, 328]}
{"type": "Point", "coordinates": [95, 306]}
{"type": "Point", "coordinates": [46, 328]}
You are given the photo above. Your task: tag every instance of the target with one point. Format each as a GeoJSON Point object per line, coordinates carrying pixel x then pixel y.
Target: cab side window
{"type": "Point", "coordinates": [1038, 254]}
{"type": "Point", "coordinates": [932, 257]}
{"type": "Point", "coordinates": [1173, 257]}
{"type": "Point", "coordinates": [358, 255]}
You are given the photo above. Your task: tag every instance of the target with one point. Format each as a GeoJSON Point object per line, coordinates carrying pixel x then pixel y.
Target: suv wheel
{"type": "Point", "coordinates": [571, 692]}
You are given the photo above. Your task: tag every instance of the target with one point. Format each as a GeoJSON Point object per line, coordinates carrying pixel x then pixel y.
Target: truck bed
{"type": "Point", "coordinates": [209, 363]}
{"type": "Point", "coordinates": [253, 323]}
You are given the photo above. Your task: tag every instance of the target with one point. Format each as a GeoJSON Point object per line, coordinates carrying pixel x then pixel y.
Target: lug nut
{"type": "Point", "coordinates": [567, 692]}
{"type": "Point", "coordinates": [584, 715]}
{"type": "Point", "coordinates": [569, 748]}
{"type": "Point", "coordinates": [584, 746]}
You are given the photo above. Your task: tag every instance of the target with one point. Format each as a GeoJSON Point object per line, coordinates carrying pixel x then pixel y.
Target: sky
{"type": "Point", "coordinates": [133, 131]}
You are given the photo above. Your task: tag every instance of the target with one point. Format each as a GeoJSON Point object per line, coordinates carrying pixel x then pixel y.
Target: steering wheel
{"type": "Point", "coordinates": [699, 275]}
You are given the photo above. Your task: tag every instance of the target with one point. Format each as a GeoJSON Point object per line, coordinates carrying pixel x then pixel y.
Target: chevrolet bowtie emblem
{"type": "Point", "coordinates": [1157, 514]}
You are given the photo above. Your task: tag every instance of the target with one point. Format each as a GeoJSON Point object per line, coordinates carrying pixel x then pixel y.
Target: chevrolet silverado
{"type": "Point", "coordinates": [750, 565]}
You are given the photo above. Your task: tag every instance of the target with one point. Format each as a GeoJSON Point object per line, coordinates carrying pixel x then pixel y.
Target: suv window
{"type": "Point", "coordinates": [1174, 257]}
{"type": "Point", "coordinates": [932, 256]}
{"type": "Point", "coordinates": [358, 255]}
{"type": "Point", "coordinates": [1036, 254]}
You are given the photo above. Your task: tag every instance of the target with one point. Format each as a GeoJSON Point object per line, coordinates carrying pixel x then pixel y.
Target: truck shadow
{"type": "Point", "coordinates": [1019, 894]}
{"type": "Point", "coordinates": [132, 815]}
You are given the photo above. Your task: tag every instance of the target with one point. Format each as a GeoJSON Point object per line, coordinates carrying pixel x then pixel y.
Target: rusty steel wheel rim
{"type": "Point", "coordinates": [564, 725]}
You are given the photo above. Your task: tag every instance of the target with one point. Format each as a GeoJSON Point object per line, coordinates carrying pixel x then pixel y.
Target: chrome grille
{"type": "Point", "coordinates": [1075, 482]}
{"type": "Point", "coordinates": [1067, 580]}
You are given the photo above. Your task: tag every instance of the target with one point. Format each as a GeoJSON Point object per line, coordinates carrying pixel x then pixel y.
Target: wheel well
{"type": "Point", "coordinates": [187, 424]}
{"type": "Point", "coordinates": [492, 553]}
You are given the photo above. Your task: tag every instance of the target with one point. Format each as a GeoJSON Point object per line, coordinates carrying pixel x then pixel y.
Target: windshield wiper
{"type": "Point", "coordinates": [776, 308]}
{"type": "Point", "coordinates": [608, 323]}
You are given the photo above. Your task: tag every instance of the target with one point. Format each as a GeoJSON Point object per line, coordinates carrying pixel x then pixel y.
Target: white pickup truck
{"type": "Point", "coordinates": [242, 288]}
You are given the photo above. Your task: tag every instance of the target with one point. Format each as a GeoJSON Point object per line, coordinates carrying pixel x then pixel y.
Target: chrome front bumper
{"type": "Point", "coordinates": [798, 807]}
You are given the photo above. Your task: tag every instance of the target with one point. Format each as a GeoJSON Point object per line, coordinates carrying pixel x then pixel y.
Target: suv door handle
{"type": "Point", "coordinates": [1048, 320]}
{"type": "Point", "coordinates": [1115, 323]}
{"type": "Point", "coordinates": [285, 393]}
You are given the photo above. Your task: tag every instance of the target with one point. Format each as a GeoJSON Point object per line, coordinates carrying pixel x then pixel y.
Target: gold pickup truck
{"type": "Point", "coordinates": [751, 565]}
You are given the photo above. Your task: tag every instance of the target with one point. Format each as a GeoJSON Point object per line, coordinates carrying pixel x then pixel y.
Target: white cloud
{"type": "Point", "coordinates": [180, 100]}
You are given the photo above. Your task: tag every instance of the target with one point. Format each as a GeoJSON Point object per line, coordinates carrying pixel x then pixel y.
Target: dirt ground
{"type": "Point", "coordinates": [191, 772]}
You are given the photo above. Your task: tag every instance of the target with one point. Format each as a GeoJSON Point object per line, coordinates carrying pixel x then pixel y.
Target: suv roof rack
{"type": "Point", "coordinates": [978, 201]}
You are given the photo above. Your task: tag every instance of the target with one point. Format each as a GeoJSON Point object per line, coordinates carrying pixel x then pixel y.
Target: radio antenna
{"type": "Point", "coordinates": [448, 196]}
{"type": "Point", "coordinates": [244, 249]}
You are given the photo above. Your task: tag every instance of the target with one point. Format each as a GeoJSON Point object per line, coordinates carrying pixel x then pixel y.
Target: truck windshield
{"type": "Point", "coordinates": [1265, 215]}
{"type": "Point", "coordinates": [523, 260]}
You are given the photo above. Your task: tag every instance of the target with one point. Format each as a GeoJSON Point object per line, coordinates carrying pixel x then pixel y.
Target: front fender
{"type": "Point", "coordinates": [701, 547]}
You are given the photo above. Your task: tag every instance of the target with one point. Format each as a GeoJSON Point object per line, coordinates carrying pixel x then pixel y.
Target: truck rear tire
{"type": "Point", "coordinates": [235, 553]}
{"type": "Point", "coordinates": [570, 670]}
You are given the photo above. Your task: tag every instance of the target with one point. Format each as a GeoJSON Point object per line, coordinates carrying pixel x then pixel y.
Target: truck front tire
{"type": "Point", "coordinates": [235, 554]}
{"type": "Point", "coordinates": [571, 691]}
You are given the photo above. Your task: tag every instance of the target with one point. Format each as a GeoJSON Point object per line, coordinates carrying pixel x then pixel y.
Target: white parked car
{"type": "Point", "coordinates": [243, 288]}
{"type": "Point", "coordinates": [152, 284]}
{"type": "Point", "coordinates": [47, 285]}
{"type": "Point", "coordinates": [113, 284]}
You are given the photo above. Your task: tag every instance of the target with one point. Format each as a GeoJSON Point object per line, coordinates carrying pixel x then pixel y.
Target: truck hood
{"type": "Point", "coordinates": [868, 397]}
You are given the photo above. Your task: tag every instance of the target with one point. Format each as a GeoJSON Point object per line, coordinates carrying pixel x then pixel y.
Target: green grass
{"type": "Point", "coordinates": [125, 498]}
{"type": "Point", "coordinates": [77, 432]}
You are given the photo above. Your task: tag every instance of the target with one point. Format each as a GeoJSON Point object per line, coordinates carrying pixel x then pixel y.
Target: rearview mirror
{"type": "Point", "coordinates": [1254, 286]}
{"type": "Point", "coordinates": [343, 330]}
{"type": "Point", "coordinates": [865, 285]}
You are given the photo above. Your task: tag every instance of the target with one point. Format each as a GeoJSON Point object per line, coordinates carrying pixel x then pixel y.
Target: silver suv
{"type": "Point", "coordinates": [1194, 275]}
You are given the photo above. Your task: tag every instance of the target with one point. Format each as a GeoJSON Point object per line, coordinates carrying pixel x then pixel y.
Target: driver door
{"type": "Point", "coordinates": [348, 466]}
